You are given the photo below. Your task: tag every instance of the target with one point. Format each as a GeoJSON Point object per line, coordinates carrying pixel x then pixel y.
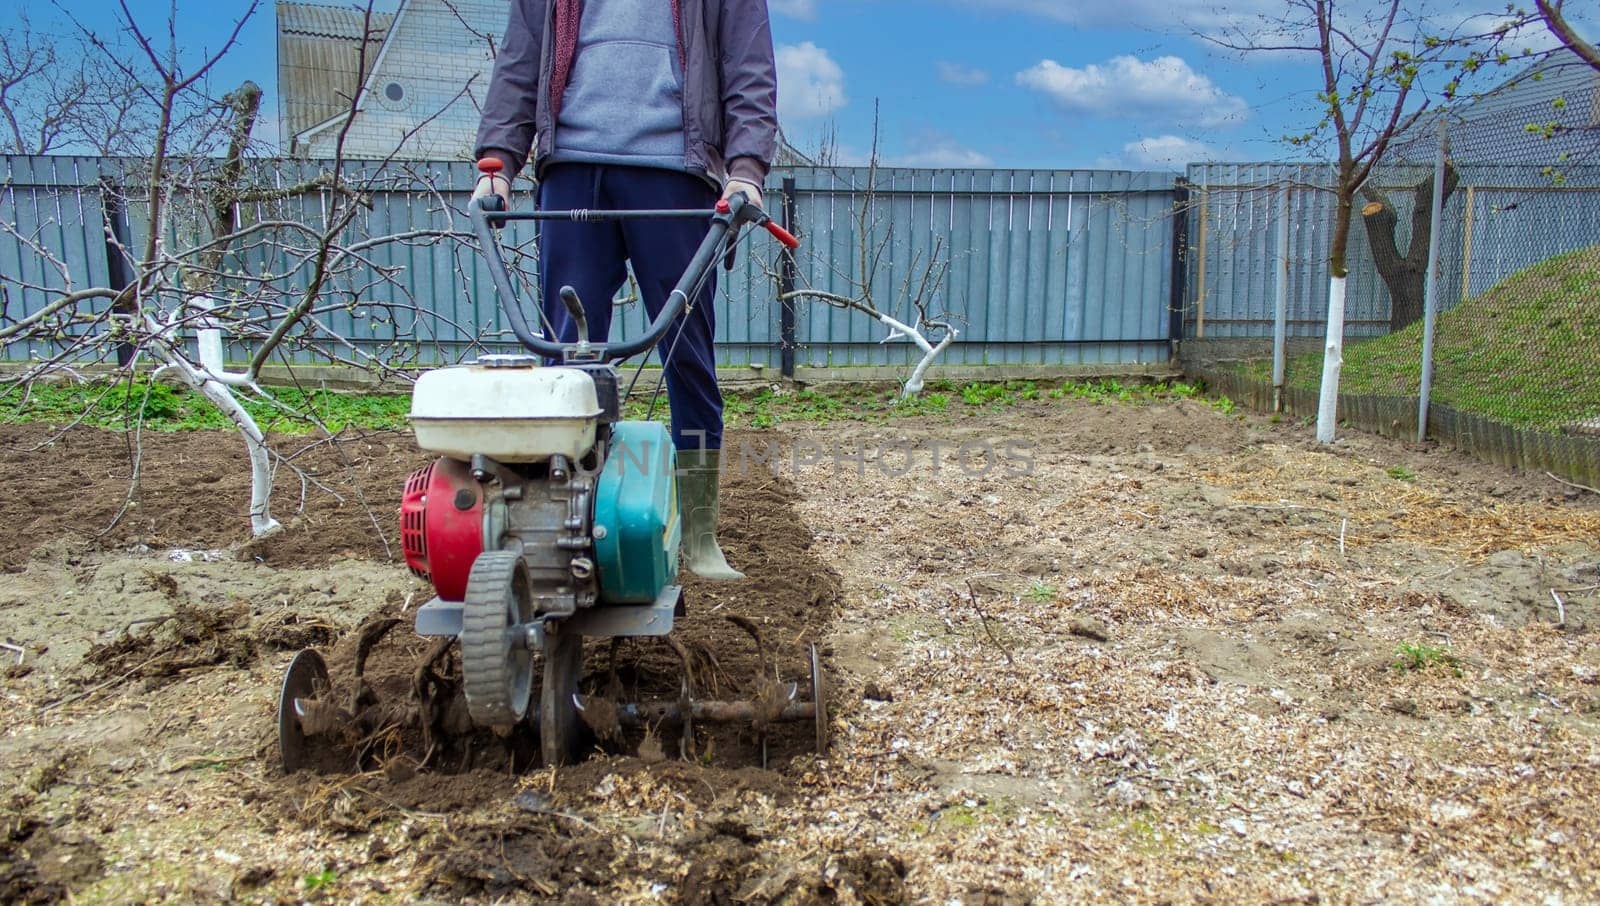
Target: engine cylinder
{"type": "Point", "coordinates": [441, 525]}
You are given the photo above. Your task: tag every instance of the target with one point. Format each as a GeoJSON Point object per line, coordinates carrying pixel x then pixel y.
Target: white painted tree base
{"type": "Point", "coordinates": [1332, 363]}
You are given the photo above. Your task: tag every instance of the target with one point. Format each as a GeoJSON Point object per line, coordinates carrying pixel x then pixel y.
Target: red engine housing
{"type": "Point", "coordinates": [441, 525]}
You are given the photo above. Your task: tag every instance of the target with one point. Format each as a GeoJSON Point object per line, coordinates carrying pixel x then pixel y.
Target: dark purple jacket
{"type": "Point", "coordinates": [730, 88]}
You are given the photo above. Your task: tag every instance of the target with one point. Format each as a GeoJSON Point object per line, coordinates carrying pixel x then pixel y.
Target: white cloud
{"type": "Point", "coordinates": [1165, 152]}
{"type": "Point", "coordinates": [797, 9]}
{"type": "Point", "coordinates": [1175, 15]}
{"type": "Point", "coordinates": [961, 74]}
{"type": "Point", "coordinates": [940, 151]}
{"type": "Point", "coordinates": [810, 83]}
{"type": "Point", "coordinates": [1165, 88]}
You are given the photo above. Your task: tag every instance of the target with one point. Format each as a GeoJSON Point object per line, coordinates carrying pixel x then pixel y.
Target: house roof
{"type": "Point", "coordinates": [320, 60]}
{"type": "Point", "coordinates": [1546, 114]}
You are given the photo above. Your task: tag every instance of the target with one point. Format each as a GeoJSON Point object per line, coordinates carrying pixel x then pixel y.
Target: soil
{"type": "Point", "coordinates": [193, 491]}
{"type": "Point", "coordinates": [1170, 654]}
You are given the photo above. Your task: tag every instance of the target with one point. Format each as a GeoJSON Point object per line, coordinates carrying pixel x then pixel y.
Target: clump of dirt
{"type": "Point", "coordinates": [290, 631]}
{"type": "Point", "coordinates": [37, 866]}
{"type": "Point", "coordinates": [719, 869]}
{"type": "Point", "coordinates": [871, 877]}
{"type": "Point", "coordinates": [546, 855]}
{"type": "Point", "coordinates": [194, 490]}
{"type": "Point", "coordinates": [190, 637]}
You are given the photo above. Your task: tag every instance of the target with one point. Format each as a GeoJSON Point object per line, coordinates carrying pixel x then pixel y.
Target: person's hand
{"type": "Point", "coordinates": [734, 186]}
{"type": "Point", "coordinates": [494, 185]}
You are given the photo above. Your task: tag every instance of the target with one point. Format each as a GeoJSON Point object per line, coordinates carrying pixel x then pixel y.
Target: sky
{"type": "Point", "coordinates": [956, 83]}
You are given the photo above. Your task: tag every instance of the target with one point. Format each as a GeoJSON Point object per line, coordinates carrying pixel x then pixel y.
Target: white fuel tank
{"type": "Point", "coordinates": [509, 409]}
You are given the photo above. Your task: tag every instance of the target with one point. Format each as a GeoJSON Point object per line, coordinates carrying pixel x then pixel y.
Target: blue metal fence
{"type": "Point", "coordinates": [1051, 267]}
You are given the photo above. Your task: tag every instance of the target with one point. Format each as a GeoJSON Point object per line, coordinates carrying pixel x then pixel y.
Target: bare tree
{"type": "Point", "coordinates": [915, 313]}
{"type": "Point", "coordinates": [56, 95]}
{"type": "Point", "coordinates": [1554, 15]}
{"type": "Point", "coordinates": [231, 248]}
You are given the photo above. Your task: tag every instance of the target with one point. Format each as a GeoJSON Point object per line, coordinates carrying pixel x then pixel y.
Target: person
{"type": "Point", "coordinates": [635, 104]}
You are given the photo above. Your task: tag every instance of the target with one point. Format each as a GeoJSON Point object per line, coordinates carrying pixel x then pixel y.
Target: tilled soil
{"type": "Point", "coordinates": [216, 613]}
{"type": "Point", "coordinates": [336, 499]}
{"type": "Point", "coordinates": [1178, 656]}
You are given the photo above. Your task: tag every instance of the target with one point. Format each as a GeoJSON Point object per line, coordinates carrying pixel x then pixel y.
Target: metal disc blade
{"type": "Point", "coordinates": [560, 727]}
{"type": "Point", "coordinates": [306, 678]}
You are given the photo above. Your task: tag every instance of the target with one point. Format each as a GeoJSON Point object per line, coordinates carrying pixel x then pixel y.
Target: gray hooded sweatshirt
{"type": "Point", "coordinates": [617, 78]}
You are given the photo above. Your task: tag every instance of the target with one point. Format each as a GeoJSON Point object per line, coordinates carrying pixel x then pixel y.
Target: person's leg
{"type": "Point", "coordinates": [585, 256]}
{"type": "Point", "coordinates": [660, 252]}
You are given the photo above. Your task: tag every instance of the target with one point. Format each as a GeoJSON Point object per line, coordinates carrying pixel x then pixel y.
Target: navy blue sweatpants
{"type": "Point", "coordinates": [589, 258]}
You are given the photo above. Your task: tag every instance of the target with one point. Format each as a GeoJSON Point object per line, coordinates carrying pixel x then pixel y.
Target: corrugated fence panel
{"type": "Point", "coordinates": [1036, 266]}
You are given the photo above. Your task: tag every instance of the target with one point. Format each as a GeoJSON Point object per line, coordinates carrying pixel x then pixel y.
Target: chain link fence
{"type": "Point", "coordinates": [1497, 353]}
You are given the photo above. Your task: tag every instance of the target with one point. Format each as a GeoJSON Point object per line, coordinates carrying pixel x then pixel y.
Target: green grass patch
{"type": "Point", "coordinates": [1419, 656]}
{"type": "Point", "coordinates": [320, 880]}
{"type": "Point", "coordinates": [770, 406]}
{"type": "Point", "coordinates": [1525, 352]}
{"type": "Point", "coordinates": [1040, 593]}
{"type": "Point", "coordinates": [167, 407]}
{"type": "Point", "coordinates": [164, 407]}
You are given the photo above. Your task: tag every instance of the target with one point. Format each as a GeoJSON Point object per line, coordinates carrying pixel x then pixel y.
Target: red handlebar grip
{"type": "Point", "coordinates": [782, 235]}
{"type": "Point", "coordinates": [490, 166]}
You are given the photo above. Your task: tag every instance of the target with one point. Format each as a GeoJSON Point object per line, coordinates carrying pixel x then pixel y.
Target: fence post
{"type": "Point", "coordinates": [1180, 259]}
{"type": "Point", "coordinates": [1280, 320]}
{"type": "Point", "coordinates": [116, 266]}
{"type": "Point", "coordinates": [1200, 270]}
{"type": "Point", "coordinates": [786, 279]}
{"type": "Point", "coordinates": [1430, 286]}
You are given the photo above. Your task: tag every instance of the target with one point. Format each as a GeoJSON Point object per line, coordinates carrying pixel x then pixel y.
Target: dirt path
{"type": "Point", "coordinates": [1160, 665]}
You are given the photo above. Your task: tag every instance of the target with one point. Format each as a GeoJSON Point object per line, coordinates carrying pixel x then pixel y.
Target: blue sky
{"type": "Point", "coordinates": [1018, 85]}
{"type": "Point", "coordinates": [959, 83]}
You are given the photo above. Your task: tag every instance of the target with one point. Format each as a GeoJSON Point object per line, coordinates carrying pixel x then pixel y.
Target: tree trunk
{"type": "Point", "coordinates": [1333, 352]}
{"type": "Point", "coordinates": [1404, 275]}
{"type": "Point", "coordinates": [255, 443]}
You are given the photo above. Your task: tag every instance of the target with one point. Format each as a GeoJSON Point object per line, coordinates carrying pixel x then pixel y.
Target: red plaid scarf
{"type": "Point", "coordinates": [568, 17]}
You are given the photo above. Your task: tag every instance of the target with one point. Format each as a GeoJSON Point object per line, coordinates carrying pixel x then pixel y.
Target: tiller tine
{"type": "Point", "coordinates": [774, 702]}
{"type": "Point", "coordinates": [305, 717]}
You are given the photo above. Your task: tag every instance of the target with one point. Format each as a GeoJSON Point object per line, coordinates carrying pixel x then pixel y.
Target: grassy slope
{"type": "Point", "coordinates": [1526, 352]}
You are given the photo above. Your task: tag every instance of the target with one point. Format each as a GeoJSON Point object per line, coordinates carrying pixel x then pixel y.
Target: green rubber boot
{"type": "Point", "coordinates": [698, 473]}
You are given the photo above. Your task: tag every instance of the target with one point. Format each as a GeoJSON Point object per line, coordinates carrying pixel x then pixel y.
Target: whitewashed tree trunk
{"type": "Point", "coordinates": [930, 351]}
{"type": "Point", "coordinates": [208, 380]}
{"type": "Point", "coordinates": [1332, 363]}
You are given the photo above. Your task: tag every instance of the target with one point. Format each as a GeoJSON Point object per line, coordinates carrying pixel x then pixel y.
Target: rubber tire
{"type": "Point", "coordinates": [497, 677]}
{"type": "Point", "coordinates": [560, 729]}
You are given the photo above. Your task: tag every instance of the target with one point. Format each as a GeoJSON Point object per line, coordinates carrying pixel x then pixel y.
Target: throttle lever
{"type": "Point", "coordinates": [569, 298]}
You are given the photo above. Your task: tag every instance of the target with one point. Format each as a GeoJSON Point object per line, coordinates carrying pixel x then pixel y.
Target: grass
{"type": "Point", "coordinates": [1040, 593]}
{"type": "Point", "coordinates": [165, 407]}
{"type": "Point", "coordinates": [320, 880]}
{"type": "Point", "coordinates": [1525, 352]}
{"type": "Point", "coordinates": [1419, 656]}
{"type": "Point", "coordinates": [1401, 473]}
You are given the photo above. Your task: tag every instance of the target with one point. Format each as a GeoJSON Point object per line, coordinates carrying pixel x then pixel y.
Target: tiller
{"type": "Point", "coordinates": [546, 520]}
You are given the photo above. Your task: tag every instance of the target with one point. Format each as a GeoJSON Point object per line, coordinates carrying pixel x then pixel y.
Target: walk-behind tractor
{"type": "Point", "coordinates": [547, 519]}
